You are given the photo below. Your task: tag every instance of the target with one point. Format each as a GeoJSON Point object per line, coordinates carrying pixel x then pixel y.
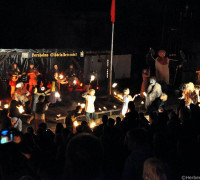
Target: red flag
{"type": "Point", "coordinates": [112, 11]}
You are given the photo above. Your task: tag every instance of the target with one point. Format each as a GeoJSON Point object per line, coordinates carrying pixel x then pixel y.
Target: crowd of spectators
{"type": "Point", "coordinates": [164, 147]}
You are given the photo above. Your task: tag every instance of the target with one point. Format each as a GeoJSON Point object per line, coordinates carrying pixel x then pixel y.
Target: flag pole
{"type": "Point", "coordinates": [111, 60]}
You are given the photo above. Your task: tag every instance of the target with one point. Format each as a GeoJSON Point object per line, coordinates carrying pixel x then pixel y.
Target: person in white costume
{"type": "Point", "coordinates": [126, 99]}
{"type": "Point", "coordinates": [89, 106]}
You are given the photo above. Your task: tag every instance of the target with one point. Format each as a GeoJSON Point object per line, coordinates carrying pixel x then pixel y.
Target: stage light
{"type": "Point", "coordinates": [61, 76]}
{"type": "Point", "coordinates": [147, 117]}
{"type": "Point", "coordinates": [115, 107]}
{"type": "Point", "coordinates": [74, 82]}
{"type": "Point", "coordinates": [6, 106]}
{"type": "Point", "coordinates": [57, 95]}
{"type": "Point", "coordinates": [42, 88]}
{"type": "Point", "coordinates": [104, 108]}
{"type": "Point", "coordinates": [92, 78]}
{"type": "Point", "coordinates": [92, 125]}
{"type": "Point", "coordinates": [82, 105]}
{"type": "Point", "coordinates": [20, 109]}
{"type": "Point", "coordinates": [114, 85]}
{"type": "Point", "coordinates": [100, 109]}
{"type": "Point", "coordinates": [81, 84]}
{"type": "Point", "coordinates": [58, 115]}
{"type": "Point", "coordinates": [97, 87]}
{"type": "Point", "coordinates": [82, 54]}
{"type": "Point", "coordinates": [142, 102]}
{"type": "Point", "coordinates": [19, 85]}
{"type": "Point", "coordinates": [76, 123]}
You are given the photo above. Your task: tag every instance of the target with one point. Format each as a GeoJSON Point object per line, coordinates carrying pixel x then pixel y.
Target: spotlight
{"type": "Point", "coordinates": [76, 123]}
{"type": "Point", "coordinates": [19, 85]}
{"type": "Point", "coordinates": [82, 105]}
{"type": "Point", "coordinates": [142, 102]}
{"type": "Point", "coordinates": [42, 88]}
{"type": "Point", "coordinates": [20, 109]}
{"type": "Point", "coordinates": [74, 82]}
{"type": "Point", "coordinates": [6, 106]}
{"type": "Point", "coordinates": [114, 85]}
{"type": "Point", "coordinates": [115, 107]}
{"type": "Point", "coordinates": [57, 95]}
{"type": "Point", "coordinates": [104, 108]}
{"type": "Point", "coordinates": [92, 78]}
{"type": "Point", "coordinates": [61, 76]}
{"type": "Point", "coordinates": [92, 125]}
{"type": "Point", "coordinates": [82, 54]}
{"type": "Point", "coordinates": [100, 109]}
{"type": "Point", "coordinates": [115, 93]}
{"type": "Point", "coordinates": [58, 115]}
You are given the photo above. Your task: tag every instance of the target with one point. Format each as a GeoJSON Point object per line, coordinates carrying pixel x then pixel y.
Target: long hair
{"type": "Point", "coordinates": [154, 169]}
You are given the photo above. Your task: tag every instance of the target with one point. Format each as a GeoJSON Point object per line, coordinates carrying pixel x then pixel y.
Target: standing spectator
{"type": "Point", "coordinates": [89, 107]}
{"type": "Point", "coordinates": [154, 169]}
{"type": "Point", "coordinates": [5, 120]}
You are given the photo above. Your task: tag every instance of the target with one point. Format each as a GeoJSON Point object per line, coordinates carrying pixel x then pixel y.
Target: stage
{"type": "Point", "coordinates": [104, 104]}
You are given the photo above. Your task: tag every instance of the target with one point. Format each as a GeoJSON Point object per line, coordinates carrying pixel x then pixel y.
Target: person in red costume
{"type": "Point", "coordinates": [145, 76]}
{"type": "Point", "coordinates": [32, 73]}
{"type": "Point", "coordinates": [13, 75]}
{"type": "Point", "coordinates": [162, 67]}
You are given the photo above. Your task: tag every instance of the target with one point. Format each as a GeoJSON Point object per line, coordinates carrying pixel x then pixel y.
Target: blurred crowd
{"type": "Point", "coordinates": [165, 145]}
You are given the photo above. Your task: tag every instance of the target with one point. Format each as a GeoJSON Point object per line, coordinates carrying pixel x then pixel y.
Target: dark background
{"type": "Point", "coordinates": [85, 24]}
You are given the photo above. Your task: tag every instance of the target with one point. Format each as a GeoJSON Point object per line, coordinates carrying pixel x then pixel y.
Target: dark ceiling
{"type": "Point", "coordinates": [85, 24]}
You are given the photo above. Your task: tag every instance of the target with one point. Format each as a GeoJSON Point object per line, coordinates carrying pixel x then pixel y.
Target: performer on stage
{"type": "Point", "coordinates": [145, 82]}
{"type": "Point", "coordinates": [158, 105]}
{"type": "Point", "coordinates": [41, 108]}
{"type": "Point", "coordinates": [55, 69]}
{"type": "Point", "coordinates": [15, 114]}
{"type": "Point", "coordinates": [127, 98]}
{"type": "Point", "coordinates": [13, 75]}
{"type": "Point", "coordinates": [89, 107]}
{"type": "Point", "coordinates": [22, 93]}
{"type": "Point", "coordinates": [154, 91]}
{"type": "Point", "coordinates": [32, 73]}
{"type": "Point", "coordinates": [162, 67]}
{"type": "Point", "coordinates": [55, 95]}
{"type": "Point", "coordinates": [70, 72]}
{"type": "Point", "coordinates": [190, 94]}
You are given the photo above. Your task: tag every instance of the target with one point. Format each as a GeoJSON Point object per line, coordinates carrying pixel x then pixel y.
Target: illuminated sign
{"type": "Point", "coordinates": [54, 54]}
